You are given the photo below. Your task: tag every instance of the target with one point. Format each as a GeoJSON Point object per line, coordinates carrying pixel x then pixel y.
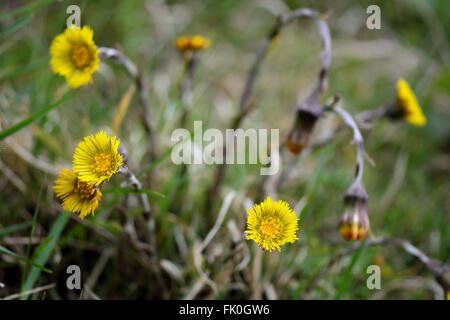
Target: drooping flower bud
{"type": "Point", "coordinates": [299, 136]}
{"type": "Point", "coordinates": [354, 223]}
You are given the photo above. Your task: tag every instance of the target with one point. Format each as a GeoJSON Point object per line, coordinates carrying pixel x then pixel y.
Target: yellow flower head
{"type": "Point", "coordinates": [199, 43]}
{"type": "Point", "coordinates": [181, 43]}
{"type": "Point", "coordinates": [75, 56]}
{"type": "Point", "coordinates": [271, 224]}
{"type": "Point", "coordinates": [76, 196]}
{"type": "Point", "coordinates": [97, 158]}
{"type": "Point", "coordinates": [407, 102]}
{"type": "Point", "coordinates": [195, 43]}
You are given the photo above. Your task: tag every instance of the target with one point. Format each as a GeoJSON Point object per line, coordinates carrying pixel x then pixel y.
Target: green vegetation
{"type": "Point", "coordinates": [42, 121]}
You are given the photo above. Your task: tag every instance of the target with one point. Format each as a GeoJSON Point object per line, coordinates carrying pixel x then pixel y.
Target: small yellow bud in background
{"type": "Point", "coordinates": [199, 43]}
{"type": "Point", "coordinates": [195, 43]}
{"type": "Point", "coordinates": [181, 43]}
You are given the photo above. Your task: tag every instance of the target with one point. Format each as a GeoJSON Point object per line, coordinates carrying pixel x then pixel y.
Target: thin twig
{"type": "Point", "coordinates": [28, 292]}
{"type": "Point", "coordinates": [98, 269]}
{"type": "Point", "coordinates": [91, 293]}
{"type": "Point", "coordinates": [15, 180]}
{"type": "Point", "coordinates": [30, 158]}
{"type": "Point", "coordinates": [220, 218]}
{"type": "Point", "coordinates": [198, 249]}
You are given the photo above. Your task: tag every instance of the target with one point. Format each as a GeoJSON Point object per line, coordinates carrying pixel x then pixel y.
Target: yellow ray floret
{"type": "Point", "coordinates": [408, 104]}
{"type": "Point", "coordinates": [77, 196]}
{"type": "Point", "coordinates": [271, 224]}
{"type": "Point", "coordinates": [75, 56]}
{"type": "Point", "coordinates": [96, 158]}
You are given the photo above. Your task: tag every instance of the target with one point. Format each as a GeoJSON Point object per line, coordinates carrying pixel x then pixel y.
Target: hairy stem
{"type": "Point", "coordinates": [244, 102]}
{"type": "Point", "coordinates": [118, 57]}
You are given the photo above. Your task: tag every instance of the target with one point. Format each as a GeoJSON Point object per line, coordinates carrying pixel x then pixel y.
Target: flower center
{"type": "Point", "coordinates": [84, 190]}
{"type": "Point", "coordinates": [103, 163]}
{"type": "Point", "coordinates": [271, 227]}
{"type": "Point", "coordinates": [81, 56]}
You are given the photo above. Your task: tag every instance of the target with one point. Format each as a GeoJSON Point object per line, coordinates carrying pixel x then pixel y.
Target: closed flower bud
{"type": "Point", "coordinates": [298, 138]}
{"type": "Point", "coordinates": [194, 43]}
{"type": "Point", "coordinates": [354, 223]}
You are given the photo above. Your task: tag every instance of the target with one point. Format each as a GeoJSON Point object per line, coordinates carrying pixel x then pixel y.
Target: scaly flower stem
{"type": "Point", "coordinates": [190, 64]}
{"type": "Point", "coordinates": [366, 118]}
{"type": "Point", "coordinates": [186, 86]}
{"type": "Point", "coordinates": [244, 102]}
{"type": "Point", "coordinates": [358, 139]}
{"type": "Point", "coordinates": [118, 57]}
{"type": "Point", "coordinates": [135, 183]}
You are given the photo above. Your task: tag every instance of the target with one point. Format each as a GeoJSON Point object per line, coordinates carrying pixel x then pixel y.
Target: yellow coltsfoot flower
{"type": "Point", "coordinates": [181, 43]}
{"type": "Point", "coordinates": [271, 224]}
{"type": "Point", "coordinates": [96, 159]}
{"type": "Point", "coordinates": [194, 43]}
{"type": "Point", "coordinates": [198, 43]}
{"type": "Point", "coordinates": [75, 56]}
{"type": "Point", "coordinates": [407, 102]}
{"type": "Point", "coordinates": [77, 196]}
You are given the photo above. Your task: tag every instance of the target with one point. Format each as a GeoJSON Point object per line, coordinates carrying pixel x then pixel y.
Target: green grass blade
{"type": "Point", "coordinates": [345, 282]}
{"type": "Point", "coordinates": [35, 116]}
{"type": "Point", "coordinates": [14, 228]}
{"type": "Point", "coordinates": [33, 225]}
{"type": "Point", "coordinates": [44, 250]}
{"type": "Point", "coordinates": [32, 66]}
{"type": "Point", "coordinates": [15, 26]}
{"type": "Point", "coordinates": [131, 190]}
{"type": "Point", "coordinates": [170, 187]}
{"type": "Point", "coordinates": [27, 261]}
{"type": "Point", "coordinates": [26, 8]}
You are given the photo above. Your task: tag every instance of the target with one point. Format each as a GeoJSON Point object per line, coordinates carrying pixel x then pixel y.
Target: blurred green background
{"type": "Point", "coordinates": [408, 189]}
